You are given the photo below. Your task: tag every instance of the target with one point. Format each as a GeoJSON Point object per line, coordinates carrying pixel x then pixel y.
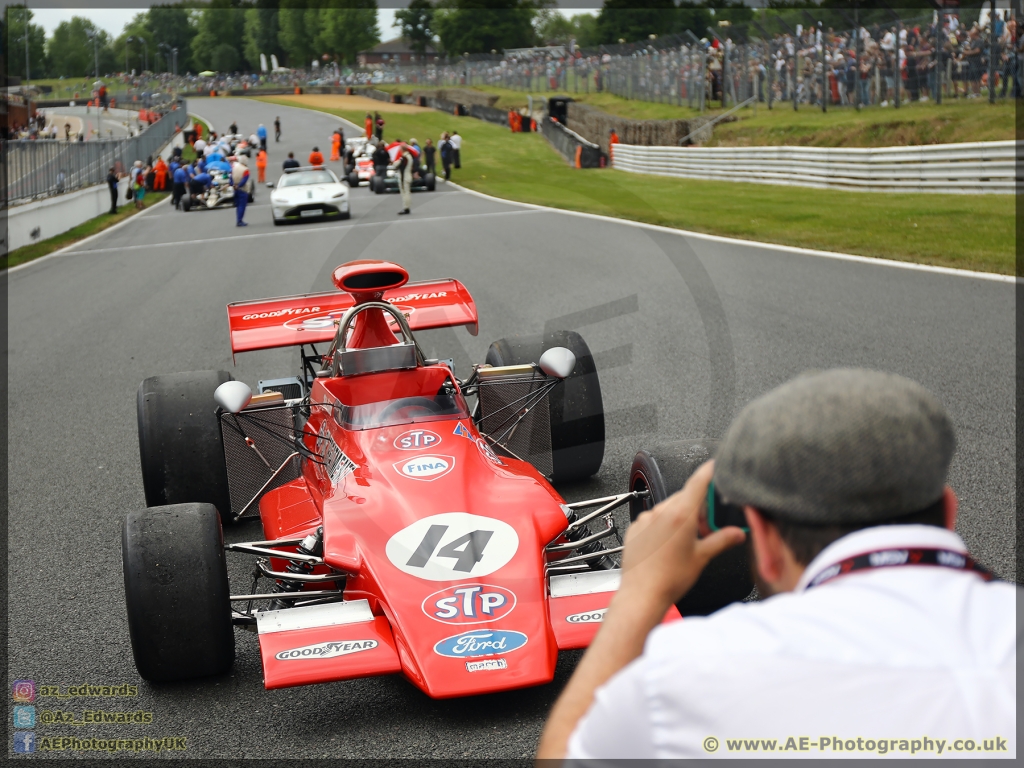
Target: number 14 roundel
{"type": "Point", "coordinates": [453, 546]}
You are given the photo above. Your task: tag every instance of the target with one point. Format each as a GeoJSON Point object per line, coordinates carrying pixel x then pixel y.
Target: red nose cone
{"type": "Point", "coordinates": [367, 279]}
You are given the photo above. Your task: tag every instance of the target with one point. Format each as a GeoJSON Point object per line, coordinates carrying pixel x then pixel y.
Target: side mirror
{"type": "Point", "coordinates": [270, 185]}
{"type": "Point", "coordinates": [557, 362]}
{"type": "Point", "coordinates": [233, 396]}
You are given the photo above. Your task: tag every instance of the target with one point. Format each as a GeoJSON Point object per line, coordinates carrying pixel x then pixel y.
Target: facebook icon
{"type": "Point", "coordinates": [24, 741]}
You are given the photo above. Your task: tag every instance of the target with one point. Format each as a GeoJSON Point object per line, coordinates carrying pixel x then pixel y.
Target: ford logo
{"type": "Point", "coordinates": [480, 642]}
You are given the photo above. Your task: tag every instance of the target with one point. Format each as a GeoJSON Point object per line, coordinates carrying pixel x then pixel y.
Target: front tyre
{"type": "Point", "coordinates": [664, 469]}
{"type": "Point", "coordinates": [430, 180]}
{"type": "Point", "coordinates": [176, 592]}
{"type": "Point", "coordinates": [180, 443]}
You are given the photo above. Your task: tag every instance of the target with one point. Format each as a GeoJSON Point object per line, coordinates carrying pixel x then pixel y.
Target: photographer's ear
{"type": "Point", "coordinates": [767, 546]}
{"type": "Point", "coordinates": [950, 507]}
{"type": "Point", "coordinates": [777, 567]}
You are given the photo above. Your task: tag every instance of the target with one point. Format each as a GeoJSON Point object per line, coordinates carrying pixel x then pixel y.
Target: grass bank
{"type": "Point", "coordinates": [927, 123]}
{"type": "Point", "coordinates": [918, 123]}
{"type": "Point", "coordinates": [125, 210]}
{"type": "Point", "coordinates": [188, 154]}
{"type": "Point", "coordinates": [964, 231]}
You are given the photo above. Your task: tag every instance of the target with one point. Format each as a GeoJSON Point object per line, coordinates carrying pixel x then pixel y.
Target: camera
{"type": "Point", "coordinates": [722, 514]}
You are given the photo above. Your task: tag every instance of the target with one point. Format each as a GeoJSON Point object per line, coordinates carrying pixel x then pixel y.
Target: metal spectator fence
{"type": "Point", "coordinates": [42, 168]}
{"type": "Point", "coordinates": [803, 67]}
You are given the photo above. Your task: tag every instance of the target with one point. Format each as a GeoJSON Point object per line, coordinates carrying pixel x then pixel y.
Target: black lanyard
{"type": "Point", "coordinates": [895, 558]}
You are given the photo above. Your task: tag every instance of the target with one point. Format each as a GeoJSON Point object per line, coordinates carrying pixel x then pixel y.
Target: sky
{"type": "Point", "coordinates": [113, 20]}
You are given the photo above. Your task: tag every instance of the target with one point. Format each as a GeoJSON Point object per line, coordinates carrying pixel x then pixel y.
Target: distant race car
{"type": "Point", "coordinates": [426, 182]}
{"type": "Point", "coordinates": [358, 162]}
{"type": "Point", "coordinates": [309, 193]}
{"type": "Point", "coordinates": [421, 180]}
{"type": "Point", "coordinates": [220, 194]}
{"type": "Point", "coordinates": [402, 528]}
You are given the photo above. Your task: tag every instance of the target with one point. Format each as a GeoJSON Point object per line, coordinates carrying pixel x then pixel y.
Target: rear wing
{"type": "Point", "coordinates": [311, 318]}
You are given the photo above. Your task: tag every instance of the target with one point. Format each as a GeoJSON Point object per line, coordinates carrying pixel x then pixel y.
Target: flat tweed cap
{"type": "Point", "coordinates": [840, 447]}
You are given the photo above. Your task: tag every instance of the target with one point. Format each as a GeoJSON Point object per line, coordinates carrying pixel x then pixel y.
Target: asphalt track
{"type": "Point", "coordinates": [686, 331]}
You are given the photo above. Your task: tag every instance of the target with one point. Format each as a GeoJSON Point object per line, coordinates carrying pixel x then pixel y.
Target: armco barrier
{"type": "Point", "coordinates": [42, 219]}
{"type": "Point", "coordinates": [971, 168]}
{"type": "Point", "coordinates": [38, 169]}
{"type": "Point", "coordinates": [568, 142]}
{"type": "Point", "coordinates": [489, 114]}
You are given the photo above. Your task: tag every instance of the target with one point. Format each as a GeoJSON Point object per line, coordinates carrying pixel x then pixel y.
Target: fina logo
{"type": "Point", "coordinates": [589, 617]}
{"type": "Point", "coordinates": [480, 642]}
{"type": "Point", "coordinates": [326, 650]}
{"type": "Point", "coordinates": [426, 467]}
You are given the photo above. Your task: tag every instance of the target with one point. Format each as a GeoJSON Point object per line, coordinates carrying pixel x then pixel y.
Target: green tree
{"type": "Point", "coordinates": [15, 19]}
{"type": "Point", "coordinates": [313, 20]}
{"type": "Point", "coordinates": [300, 26]}
{"type": "Point", "coordinates": [585, 25]}
{"type": "Point", "coordinates": [733, 11]}
{"type": "Point", "coordinates": [71, 51]}
{"type": "Point", "coordinates": [224, 58]}
{"type": "Point", "coordinates": [222, 22]}
{"type": "Point", "coordinates": [417, 24]}
{"type": "Point", "coordinates": [347, 27]}
{"type": "Point", "coordinates": [693, 17]}
{"type": "Point", "coordinates": [172, 25]}
{"type": "Point", "coordinates": [261, 33]}
{"type": "Point", "coordinates": [623, 20]}
{"type": "Point", "coordinates": [554, 28]}
{"type": "Point", "coordinates": [137, 29]}
{"type": "Point", "coordinates": [480, 26]}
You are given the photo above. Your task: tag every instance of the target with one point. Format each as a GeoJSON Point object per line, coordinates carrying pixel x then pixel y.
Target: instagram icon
{"type": "Point", "coordinates": [24, 691]}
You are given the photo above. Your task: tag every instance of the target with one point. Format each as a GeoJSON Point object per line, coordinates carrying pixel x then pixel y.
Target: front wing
{"type": "Point", "coordinates": [344, 641]}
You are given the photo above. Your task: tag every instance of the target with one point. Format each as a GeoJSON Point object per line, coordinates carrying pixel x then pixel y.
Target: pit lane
{"type": "Point", "coordinates": [686, 330]}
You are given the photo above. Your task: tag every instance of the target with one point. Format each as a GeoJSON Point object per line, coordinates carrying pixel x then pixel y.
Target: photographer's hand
{"type": "Point", "coordinates": [662, 560]}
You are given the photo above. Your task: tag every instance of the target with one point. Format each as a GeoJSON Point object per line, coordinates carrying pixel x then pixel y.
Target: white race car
{"type": "Point", "coordinates": [309, 193]}
{"type": "Point", "coordinates": [358, 162]}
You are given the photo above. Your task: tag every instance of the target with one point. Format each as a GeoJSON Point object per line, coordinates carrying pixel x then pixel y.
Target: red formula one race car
{"type": "Point", "coordinates": [402, 529]}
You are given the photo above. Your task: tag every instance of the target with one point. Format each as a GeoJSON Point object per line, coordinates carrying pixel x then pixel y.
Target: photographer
{"type": "Point", "coordinates": [875, 627]}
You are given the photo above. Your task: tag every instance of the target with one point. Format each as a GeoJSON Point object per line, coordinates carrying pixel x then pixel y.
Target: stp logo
{"type": "Point", "coordinates": [417, 440]}
{"type": "Point", "coordinates": [470, 604]}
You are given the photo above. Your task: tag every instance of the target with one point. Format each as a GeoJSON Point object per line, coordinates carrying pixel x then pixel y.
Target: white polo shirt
{"type": "Point", "coordinates": [911, 661]}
